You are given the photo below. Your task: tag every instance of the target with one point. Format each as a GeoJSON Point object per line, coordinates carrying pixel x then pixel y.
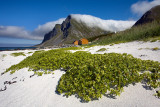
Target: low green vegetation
{"type": "Point", "coordinates": [95, 38]}
{"type": "Point", "coordinates": [102, 49]}
{"type": "Point", "coordinates": [18, 54]}
{"type": "Point", "coordinates": [152, 39]}
{"type": "Point", "coordinates": [13, 71]}
{"type": "Point", "coordinates": [143, 32]}
{"type": "Point", "coordinates": [89, 76]}
{"type": "Point", "coordinates": [30, 52]}
{"type": "Point", "coordinates": [39, 73]}
{"type": "Point", "coordinates": [39, 51]}
{"type": "Point", "coordinates": [47, 72]}
{"type": "Point", "coordinates": [112, 44]}
{"type": "Point", "coordinates": [158, 94]}
{"type": "Point", "coordinates": [155, 49]}
{"type": "Point", "coordinates": [71, 48]}
{"type": "Point", "coordinates": [87, 46]}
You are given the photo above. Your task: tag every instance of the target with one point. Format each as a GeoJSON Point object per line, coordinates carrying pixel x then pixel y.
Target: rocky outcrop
{"type": "Point", "coordinates": [52, 33]}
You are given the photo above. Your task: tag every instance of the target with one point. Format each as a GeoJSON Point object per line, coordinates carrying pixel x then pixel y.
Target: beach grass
{"type": "Point", "coordinates": [101, 50]}
{"type": "Point", "coordinates": [155, 49]}
{"type": "Point", "coordinates": [18, 54]}
{"type": "Point", "coordinates": [30, 52]}
{"type": "Point", "coordinates": [141, 32]}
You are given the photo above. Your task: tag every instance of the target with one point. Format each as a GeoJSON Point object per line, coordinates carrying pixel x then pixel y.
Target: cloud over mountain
{"type": "Point", "coordinates": [141, 7]}
{"type": "Point", "coordinates": [107, 25]}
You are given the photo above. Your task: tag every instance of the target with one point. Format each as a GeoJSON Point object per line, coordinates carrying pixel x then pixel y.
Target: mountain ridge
{"type": "Point", "coordinates": [78, 26]}
{"type": "Point", "coordinates": [151, 15]}
{"type": "Point", "coordinates": [69, 31]}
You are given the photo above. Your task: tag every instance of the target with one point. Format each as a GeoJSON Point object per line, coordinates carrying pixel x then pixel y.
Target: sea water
{"type": "Point", "coordinates": [15, 48]}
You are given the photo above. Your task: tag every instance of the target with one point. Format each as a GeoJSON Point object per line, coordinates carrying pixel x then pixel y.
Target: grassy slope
{"type": "Point", "coordinates": [143, 32]}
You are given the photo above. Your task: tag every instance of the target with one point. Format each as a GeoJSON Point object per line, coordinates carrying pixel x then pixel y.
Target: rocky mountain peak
{"type": "Point", "coordinates": [78, 26]}
{"type": "Point", "coordinates": [152, 15]}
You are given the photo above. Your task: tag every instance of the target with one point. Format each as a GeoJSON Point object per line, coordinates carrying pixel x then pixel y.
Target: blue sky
{"type": "Point", "coordinates": [27, 15]}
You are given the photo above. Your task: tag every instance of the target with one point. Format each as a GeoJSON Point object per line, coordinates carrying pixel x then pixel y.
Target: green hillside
{"type": "Point", "coordinates": [141, 32]}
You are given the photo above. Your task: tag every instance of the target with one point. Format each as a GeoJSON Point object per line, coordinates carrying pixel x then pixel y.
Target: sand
{"type": "Point", "coordinates": [39, 91]}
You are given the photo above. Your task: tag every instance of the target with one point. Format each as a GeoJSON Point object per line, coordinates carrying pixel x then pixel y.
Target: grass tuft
{"type": "Point", "coordinates": [30, 52]}
{"type": "Point", "coordinates": [102, 49]}
{"type": "Point", "coordinates": [18, 54]}
{"type": "Point", "coordinates": [155, 49]}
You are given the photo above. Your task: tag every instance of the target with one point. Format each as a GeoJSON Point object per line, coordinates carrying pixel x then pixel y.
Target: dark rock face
{"type": "Point", "coordinates": [69, 31]}
{"type": "Point", "coordinates": [52, 33]}
{"type": "Point", "coordinates": [151, 15]}
{"type": "Point", "coordinates": [65, 26]}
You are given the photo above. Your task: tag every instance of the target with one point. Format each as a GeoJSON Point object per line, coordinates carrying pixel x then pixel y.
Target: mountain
{"type": "Point", "coordinates": [69, 31]}
{"type": "Point", "coordinates": [152, 15]}
{"type": "Point", "coordinates": [78, 26]}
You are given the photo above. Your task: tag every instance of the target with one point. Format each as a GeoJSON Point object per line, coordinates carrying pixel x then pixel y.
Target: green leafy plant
{"type": "Point", "coordinates": [13, 71]}
{"type": "Point", "coordinates": [39, 73]}
{"type": "Point", "coordinates": [89, 76]}
{"type": "Point", "coordinates": [158, 94]}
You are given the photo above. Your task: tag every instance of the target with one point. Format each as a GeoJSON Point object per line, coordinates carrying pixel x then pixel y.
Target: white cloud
{"type": "Point", "coordinates": [141, 7]}
{"type": "Point", "coordinates": [37, 34]}
{"type": "Point", "coordinates": [16, 32]}
{"type": "Point", "coordinates": [107, 25]}
{"type": "Point", "coordinates": [43, 29]}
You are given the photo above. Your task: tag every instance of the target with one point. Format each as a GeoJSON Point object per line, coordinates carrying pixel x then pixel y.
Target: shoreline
{"type": "Point", "coordinates": [16, 48]}
{"type": "Point", "coordinates": [38, 47]}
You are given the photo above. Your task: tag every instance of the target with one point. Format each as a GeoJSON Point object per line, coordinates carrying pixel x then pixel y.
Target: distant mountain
{"type": "Point", "coordinates": [78, 26]}
{"type": "Point", "coordinates": [151, 15]}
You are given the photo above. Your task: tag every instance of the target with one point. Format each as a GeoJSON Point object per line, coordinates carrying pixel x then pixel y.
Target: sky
{"type": "Point", "coordinates": [26, 21]}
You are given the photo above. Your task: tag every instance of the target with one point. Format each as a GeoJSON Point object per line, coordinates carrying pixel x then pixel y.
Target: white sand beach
{"type": "Point", "coordinates": [39, 91]}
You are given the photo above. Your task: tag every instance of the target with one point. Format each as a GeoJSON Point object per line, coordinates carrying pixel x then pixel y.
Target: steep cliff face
{"type": "Point", "coordinates": [151, 15]}
{"type": "Point", "coordinates": [69, 31]}
{"type": "Point", "coordinates": [52, 33]}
